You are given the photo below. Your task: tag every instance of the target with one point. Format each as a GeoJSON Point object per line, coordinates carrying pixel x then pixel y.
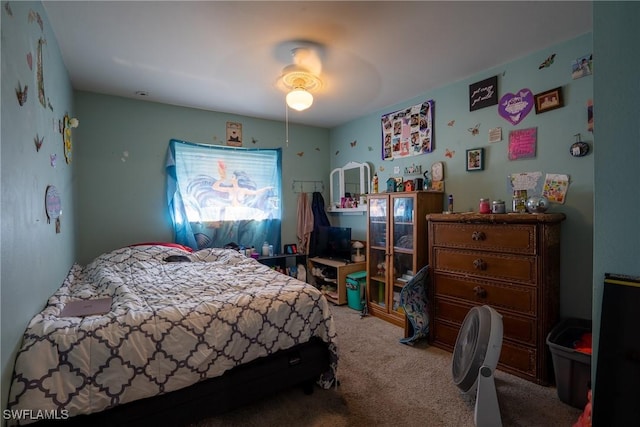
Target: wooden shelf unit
{"type": "Point", "coordinates": [342, 268]}
{"type": "Point", "coordinates": [396, 247]}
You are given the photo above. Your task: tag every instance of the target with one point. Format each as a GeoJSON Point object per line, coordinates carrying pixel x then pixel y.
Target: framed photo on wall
{"type": "Point", "coordinates": [549, 100]}
{"type": "Point", "coordinates": [475, 159]}
{"type": "Point", "coordinates": [483, 94]}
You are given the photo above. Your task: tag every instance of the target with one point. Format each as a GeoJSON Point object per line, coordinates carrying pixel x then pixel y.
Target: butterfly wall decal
{"type": "Point", "coordinates": [370, 148]}
{"type": "Point", "coordinates": [317, 148]}
{"type": "Point", "coordinates": [474, 130]}
{"type": "Point", "coordinates": [451, 123]}
{"type": "Point", "coordinates": [547, 62]}
{"type": "Point", "coordinates": [353, 143]}
{"type": "Point", "coordinates": [300, 153]}
{"type": "Point", "coordinates": [448, 153]}
{"type": "Point", "coordinates": [22, 94]}
{"type": "Point", "coordinates": [381, 168]}
{"type": "Point", "coordinates": [253, 140]}
{"type": "Point", "coordinates": [38, 141]}
{"type": "Point", "coordinates": [337, 152]}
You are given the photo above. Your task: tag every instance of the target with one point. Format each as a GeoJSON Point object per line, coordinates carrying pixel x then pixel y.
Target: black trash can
{"type": "Point", "coordinates": [572, 367]}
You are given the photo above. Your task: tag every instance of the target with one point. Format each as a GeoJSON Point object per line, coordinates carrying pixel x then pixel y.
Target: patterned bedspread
{"type": "Point", "coordinates": [171, 324]}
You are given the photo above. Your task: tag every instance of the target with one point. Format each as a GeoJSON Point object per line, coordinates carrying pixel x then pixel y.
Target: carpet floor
{"type": "Point", "coordinates": [386, 383]}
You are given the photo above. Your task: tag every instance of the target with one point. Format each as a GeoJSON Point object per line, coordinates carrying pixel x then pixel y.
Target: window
{"type": "Point", "coordinates": [219, 195]}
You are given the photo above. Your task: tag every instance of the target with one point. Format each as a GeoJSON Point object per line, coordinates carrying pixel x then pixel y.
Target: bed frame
{"type": "Point", "coordinates": [299, 365]}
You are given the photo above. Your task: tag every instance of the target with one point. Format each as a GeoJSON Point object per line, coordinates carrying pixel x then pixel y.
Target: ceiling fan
{"type": "Point", "coordinates": [301, 78]}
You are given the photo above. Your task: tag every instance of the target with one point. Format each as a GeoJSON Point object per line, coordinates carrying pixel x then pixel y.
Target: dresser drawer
{"type": "Point", "coordinates": [517, 359]}
{"type": "Point", "coordinates": [513, 238]}
{"type": "Point", "coordinates": [517, 328]}
{"type": "Point", "coordinates": [517, 268]}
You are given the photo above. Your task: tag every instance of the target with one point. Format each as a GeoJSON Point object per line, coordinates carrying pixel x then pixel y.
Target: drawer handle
{"type": "Point", "coordinates": [480, 292]}
{"type": "Point", "coordinates": [478, 235]}
{"type": "Point", "coordinates": [479, 264]}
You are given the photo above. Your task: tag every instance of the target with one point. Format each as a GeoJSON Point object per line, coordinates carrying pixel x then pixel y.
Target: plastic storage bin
{"type": "Point", "coordinates": [355, 289]}
{"type": "Point", "coordinates": [572, 368]}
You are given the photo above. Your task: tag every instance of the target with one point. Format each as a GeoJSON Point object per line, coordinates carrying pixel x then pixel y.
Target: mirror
{"type": "Point", "coordinates": [352, 179]}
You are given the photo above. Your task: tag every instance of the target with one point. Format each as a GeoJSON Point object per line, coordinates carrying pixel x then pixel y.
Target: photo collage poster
{"type": "Point", "coordinates": [408, 132]}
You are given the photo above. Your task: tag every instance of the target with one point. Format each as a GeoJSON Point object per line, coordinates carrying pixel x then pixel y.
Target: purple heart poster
{"type": "Point", "coordinates": [515, 107]}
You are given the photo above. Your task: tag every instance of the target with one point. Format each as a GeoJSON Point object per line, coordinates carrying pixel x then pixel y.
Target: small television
{"type": "Point", "coordinates": [333, 243]}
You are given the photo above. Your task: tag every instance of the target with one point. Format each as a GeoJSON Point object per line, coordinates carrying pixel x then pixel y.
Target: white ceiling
{"type": "Point", "coordinates": [227, 56]}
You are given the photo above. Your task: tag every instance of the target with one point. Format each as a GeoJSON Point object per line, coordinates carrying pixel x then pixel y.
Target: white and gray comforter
{"type": "Point", "coordinates": [171, 325]}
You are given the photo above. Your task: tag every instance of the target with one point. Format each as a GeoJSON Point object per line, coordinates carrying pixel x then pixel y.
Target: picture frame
{"type": "Point", "coordinates": [549, 100]}
{"type": "Point", "coordinates": [291, 249]}
{"type": "Point", "coordinates": [483, 94]}
{"type": "Point", "coordinates": [475, 159]}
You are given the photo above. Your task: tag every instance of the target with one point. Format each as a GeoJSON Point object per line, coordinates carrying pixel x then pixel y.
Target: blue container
{"type": "Point", "coordinates": [356, 283]}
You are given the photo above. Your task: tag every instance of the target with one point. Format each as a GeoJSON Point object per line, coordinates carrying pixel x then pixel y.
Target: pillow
{"type": "Point", "coordinates": [168, 244]}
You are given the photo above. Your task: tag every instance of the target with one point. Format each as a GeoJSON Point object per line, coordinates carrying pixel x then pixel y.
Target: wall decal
{"type": "Point", "coordinates": [35, 17]}
{"type": "Point", "coordinates": [317, 148]}
{"type": "Point", "coordinates": [448, 153]}
{"type": "Point", "coordinates": [38, 141]}
{"type": "Point", "coordinates": [370, 148]}
{"type": "Point", "coordinates": [21, 93]}
{"type": "Point", "coordinates": [300, 154]}
{"type": "Point", "coordinates": [53, 160]}
{"type": "Point", "coordinates": [408, 132]}
{"type": "Point", "coordinates": [253, 140]}
{"type": "Point", "coordinates": [7, 7]}
{"type": "Point", "coordinates": [40, 73]}
{"type": "Point", "coordinates": [353, 143]}
{"type": "Point", "coordinates": [483, 94]}
{"type": "Point", "coordinates": [515, 107]}
{"type": "Point", "coordinates": [338, 151]}
{"type": "Point", "coordinates": [451, 123]}
{"type": "Point", "coordinates": [474, 130]}
{"type": "Point", "coordinates": [522, 143]}
{"type": "Point", "coordinates": [30, 60]}
{"type": "Point", "coordinates": [547, 62]}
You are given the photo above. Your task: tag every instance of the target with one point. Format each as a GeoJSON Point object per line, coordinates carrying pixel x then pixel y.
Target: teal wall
{"type": "Point", "coordinates": [108, 202]}
{"type": "Point", "coordinates": [123, 198]}
{"type": "Point", "coordinates": [35, 260]}
{"type": "Point", "coordinates": [556, 130]}
{"type": "Point", "coordinates": [617, 115]}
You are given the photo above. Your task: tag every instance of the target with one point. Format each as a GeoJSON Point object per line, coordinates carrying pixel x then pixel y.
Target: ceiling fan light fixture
{"type": "Point", "coordinates": [299, 99]}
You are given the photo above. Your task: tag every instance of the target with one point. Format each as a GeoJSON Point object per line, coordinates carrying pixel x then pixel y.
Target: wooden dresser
{"type": "Point", "coordinates": [508, 261]}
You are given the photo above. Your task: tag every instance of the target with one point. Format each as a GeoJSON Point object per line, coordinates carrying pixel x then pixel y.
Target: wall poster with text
{"type": "Point", "coordinates": [408, 132]}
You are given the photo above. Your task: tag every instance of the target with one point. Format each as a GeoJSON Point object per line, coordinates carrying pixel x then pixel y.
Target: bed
{"type": "Point", "coordinates": [187, 335]}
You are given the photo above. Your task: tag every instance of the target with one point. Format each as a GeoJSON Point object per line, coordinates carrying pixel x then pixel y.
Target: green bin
{"type": "Point", "coordinates": [356, 283]}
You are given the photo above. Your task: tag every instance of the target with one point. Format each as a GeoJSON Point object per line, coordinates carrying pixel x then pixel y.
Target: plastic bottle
{"type": "Point", "coordinates": [265, 249]}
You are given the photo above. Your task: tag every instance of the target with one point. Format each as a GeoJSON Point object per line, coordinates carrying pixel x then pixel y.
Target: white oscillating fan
{"type": "Point", "coordinates": [475, 357]}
